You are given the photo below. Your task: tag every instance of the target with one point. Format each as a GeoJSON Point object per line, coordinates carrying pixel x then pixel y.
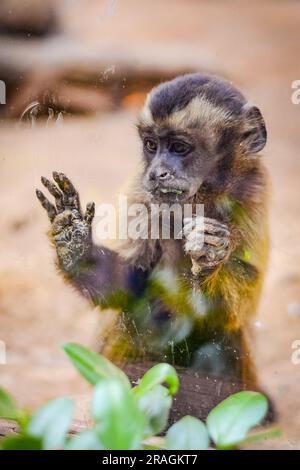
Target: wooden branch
{"type": "Point", "coordinates": [10, 427]}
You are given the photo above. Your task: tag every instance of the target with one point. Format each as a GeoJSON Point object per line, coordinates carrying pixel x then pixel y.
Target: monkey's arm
{"type": "Point", "coordinates": [100, 276]}
{"type": "Point", "coordinates": [232, 290]}
{"type": "Point", "coordinates": [230, 266]}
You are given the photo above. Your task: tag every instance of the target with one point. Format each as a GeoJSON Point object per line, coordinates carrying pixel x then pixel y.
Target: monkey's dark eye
{"type": "Point", "coordinates": [150, 145]}
{"type": "Point", "coordinates": [179, 147]}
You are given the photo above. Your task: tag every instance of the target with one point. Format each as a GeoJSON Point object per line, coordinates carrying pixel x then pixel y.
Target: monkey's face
{"type": "Point", "coordinates": [177, 162]}
{"type": "Point", "coordinates": [193, 130]}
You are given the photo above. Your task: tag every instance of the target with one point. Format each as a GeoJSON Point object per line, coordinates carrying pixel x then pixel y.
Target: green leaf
{"type": "Point", "coordinates": [156, 405]}
{"type": "Point", "coordinates": [229, 422]}
{"type": "Point", "coordinates": [8, 406]}
{"type": "Point", "coordinates": [188, 433]}
{"type": "Point", "coordinates": [52, 422]}
{"type": "Point", "coordinates": [86, 440]}
{"type": "Point", "coordinates": [21, 442]}
{"type": "Point", "coordinates": [92, 366]}
{"type": "Point", "coordinates": [158, 375]}
{"type": "Point", "coordinates": [9, 409]}
{"type": "Point", "coordinates": [120, 423]}
{"type": "Point", "coordinates": [262, 436]}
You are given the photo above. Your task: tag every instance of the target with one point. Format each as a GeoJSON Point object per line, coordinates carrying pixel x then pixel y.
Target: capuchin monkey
{"type": "Point", "coordinates": [185, 300]}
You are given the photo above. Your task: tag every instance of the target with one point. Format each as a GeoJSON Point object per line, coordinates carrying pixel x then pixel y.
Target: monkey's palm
{"type": "Point", "coordinates": [71, 231]}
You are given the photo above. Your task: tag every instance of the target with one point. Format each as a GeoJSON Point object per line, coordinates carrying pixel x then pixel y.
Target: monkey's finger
{"type": "Point", "coordinates": [214, 222]}
{"type": "Point", "coordinates": [55, 192]}
{"type": "Point", "coordinates": [70, 195]}
{"type": "Point", "coordinates": [89, 212]}
{"type": "Point", "coordinates": [219, 230]}
{"type": "Point", "coordinates": [64, 183]}
{"type": "Point", "coordinates": [218, 242]}
{"type": "Point", "coordinates": [51, 211]}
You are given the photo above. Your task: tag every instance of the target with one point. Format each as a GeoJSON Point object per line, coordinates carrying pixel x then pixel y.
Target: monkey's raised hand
{"type": "Point", "coordinates": [207, 242]}
{"type": "Point", "coordinates": [70, 229]}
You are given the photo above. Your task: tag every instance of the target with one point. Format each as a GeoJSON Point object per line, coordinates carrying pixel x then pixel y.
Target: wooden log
{"type": "Point", "coordinates": [198, 393]}
{"type": "Point", "coordinates": [7, 427]}
{"type": "Point", "coordinates": [10, 427]}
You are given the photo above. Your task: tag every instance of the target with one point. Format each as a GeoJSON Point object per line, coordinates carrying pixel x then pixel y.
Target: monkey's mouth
{"type": "Point", "coordinates": [177, 192]}
{"type": "Point", "coordinates": [169, 193]}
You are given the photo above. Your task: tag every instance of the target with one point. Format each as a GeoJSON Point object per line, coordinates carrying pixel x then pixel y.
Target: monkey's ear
{"type": "Point", "coordinates": [254, 134]}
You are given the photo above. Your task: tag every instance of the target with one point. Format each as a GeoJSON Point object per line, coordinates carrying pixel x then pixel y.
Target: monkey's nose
{"type": "Point", "coordinates": [165, 175]}
{"type": "Point", "coordinates": [159, 175]}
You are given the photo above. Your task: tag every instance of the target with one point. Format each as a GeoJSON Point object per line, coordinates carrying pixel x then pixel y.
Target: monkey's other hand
{"type": "Point", "coordinates": [70, 229]}
{"type": "Point", "coordinates": [207, 241]}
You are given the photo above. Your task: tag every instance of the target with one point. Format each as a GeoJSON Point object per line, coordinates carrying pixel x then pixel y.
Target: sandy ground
{"type": "Point", "coordinates": [256, 44]}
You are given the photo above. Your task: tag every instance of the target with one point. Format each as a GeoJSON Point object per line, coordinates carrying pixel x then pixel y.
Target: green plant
{"type": "Point", "coordinates": [129, 418]}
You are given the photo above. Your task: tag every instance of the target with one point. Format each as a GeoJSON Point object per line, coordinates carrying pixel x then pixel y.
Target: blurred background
{"type": "Point", "coordinates": [76, 73]}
